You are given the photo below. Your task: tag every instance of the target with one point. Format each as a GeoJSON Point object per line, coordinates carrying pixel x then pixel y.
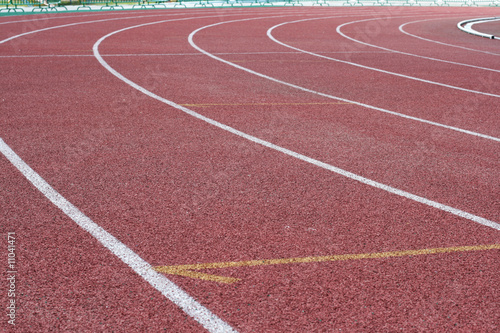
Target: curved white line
{"type": "Point", "coordinates": [401, 52]}
{"type": "Point", "coordinates": [466, 26]}
{"type": "Point", "coordinates": [441, 43]}
{"type": "Point", "coordinates": [269, 34]}
{"type": "Point", "coordinates": [157, 280]}
{"type": "Point", "coordinates": [45, 18]}
{"type": "Point", "coordinates": [214, 11]}
{"type": "Point", "coordinates": [70, 25]}
{"type": "Point", "coordinates": [167, 288]}
{"type": "Point", "coordinates": [484, 136]}
{"type": "Point", "coordinates": [270, 145]}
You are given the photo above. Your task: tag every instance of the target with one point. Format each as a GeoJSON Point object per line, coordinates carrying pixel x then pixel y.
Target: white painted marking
{"type": "Point", "coordinates": [170, 290]}
{"type": "Point", "coordinates": [43, 17]}
{"type": "Point", "coordinates": [467, 26]}
{"type": "Point", "coordinates": [70, 25]}
{"type": "Point", "coordinates": [484, 136]}
{"type": "Point", "coordinates": [269, 34]}
{"type": "Point", "coordinates": [285, 151]}
{"type": "Point", "coordinates": [401, 28]}
{"type": "Point", "coordinates": [401, 52]}
{"type": "Point", "coordinates": [111, 19]}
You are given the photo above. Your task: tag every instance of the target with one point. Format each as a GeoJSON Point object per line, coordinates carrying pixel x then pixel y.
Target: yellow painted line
{"type": "Point", "coordinates": [192, 270]}
{"type": "Point", "coordinates": [258, 104]}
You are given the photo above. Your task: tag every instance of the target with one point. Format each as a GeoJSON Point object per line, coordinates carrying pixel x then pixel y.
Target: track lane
{"type": "Point", "coordinates": [400, 44]}
{"type": "Point", "coordinates": [65, 281]}
{"type": "Point", "coordinates": [11, 26]}
{"type": "Point", "coordinates": [161, 202]}
{"type": "Point", "coordinates": [373, 83]}
{"type": "Point", "coordinates": [457, 37]}
{"type": "Point", "coordinates": [407, 25]}
{"type": "Point", "coordinates": [430, 162]}
{"type": "Point", "coordinates": [223, 236]}
{"type": "Point", "coordinates": [79, 150]}
{"type": "Point", "coordinates": [439, 80]}
{"type": "Point", "coordinates": [191, 307]}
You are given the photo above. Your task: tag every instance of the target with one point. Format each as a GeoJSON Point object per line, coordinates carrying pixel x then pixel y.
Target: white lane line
{"type": "Point", "coordinates": [73, 24]}
{"type": "Point", "coordinates": [285, 151]}
{"type": "Point", "coordinates": [468, 24]}
{"type": "Point", "coordinates": [115, 19]}
{"type": "Point", "coordinates": [41, 17]}
{"type": "Point", "coordinates": [401, 28]}
{"type": "Point", "coordinates": [339, 28]}
{"type": "Point", "coordinates": [269, 34]}
{"type": "Point", "coordinates": [484, 136]}
{"type": "Point", "coordinates": [170, 290]}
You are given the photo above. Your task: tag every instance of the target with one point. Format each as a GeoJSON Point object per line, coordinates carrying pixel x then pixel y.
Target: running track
{"type": "Point", "coordinates": [178, 137]}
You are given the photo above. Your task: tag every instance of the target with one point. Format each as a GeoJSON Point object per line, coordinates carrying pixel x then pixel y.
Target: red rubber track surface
{"type": "Point", "coordinates": [491, 28]}
{"type": "Point", "coordinates": [177, 190]}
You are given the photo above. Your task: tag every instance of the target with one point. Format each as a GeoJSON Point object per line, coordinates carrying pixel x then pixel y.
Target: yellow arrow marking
{"type": "Point", "coordinates": [257, 104]}
{"type": "Point", "coordinates": [192, 270]}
